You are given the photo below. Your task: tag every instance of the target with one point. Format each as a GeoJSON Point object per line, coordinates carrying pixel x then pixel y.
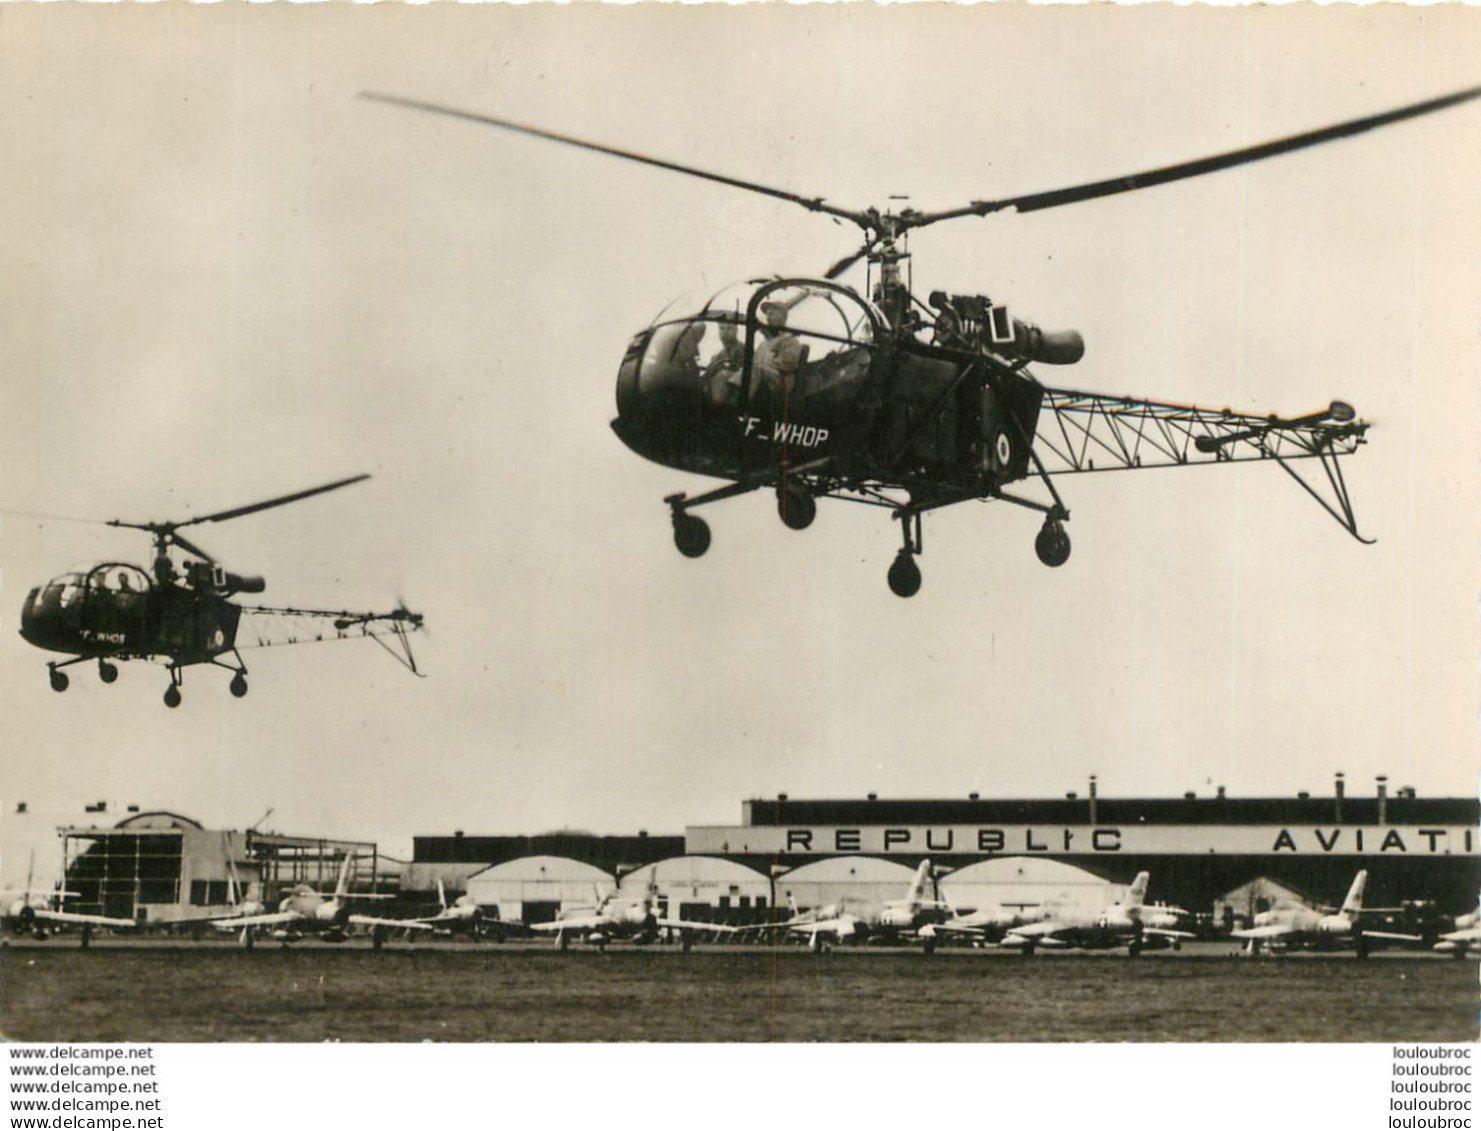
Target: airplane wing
{"type": "Point", "coordinates": [581, 923]}
{"type": "Point", "coordinates": [84, 920]}
{"type": "Point", "coordinates": [1274, 931]}
{"type": "Point", "coordinates": [931, 929]}
{"type": "Point", "coordinates": [1391, 935]}
{"type": "Point", "coordinates": [1045, 928]}
{"type": "Point", "coordinates": [1168, 933]}
{"type": "Point", "coordinates": [270, 919]}
{"type": "Point", "coordinates": [842, 927]}
{"type": "Point", "coordinates": [373, 921]}
{"type": "Point", "coordinates": [687, 925]}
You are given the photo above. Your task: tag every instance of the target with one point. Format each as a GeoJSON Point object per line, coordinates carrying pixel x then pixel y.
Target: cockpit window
{"type": "Point", "coordinates": [751, 341]}
{"type": "Point", "coordinates": [119, 579]}
{"type": "Point", "coordinates": [71, 587]}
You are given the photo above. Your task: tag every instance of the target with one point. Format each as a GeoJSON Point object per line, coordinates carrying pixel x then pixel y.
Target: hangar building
{"type": "Point", "coordinates": [159, 866]}
{"type": "Point", "coordinates": [1197, 849]}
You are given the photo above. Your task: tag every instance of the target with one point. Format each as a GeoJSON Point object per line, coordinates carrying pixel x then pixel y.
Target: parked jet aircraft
{"type": "Point", "coordinates": [617, 916]}
{"type": "Point", "coordinates": [1281, 928]}
{"type": "Point", "coordinates": [462, 916]}
{"type": "Point", "coordinates": [306, 912]}
{"type": "Point", "coordinates": [986, 924]}
{"type": "Point", "coordinates": [1127, 922]}
{"type": "Point", "coordinates": [1466, 936]}
{"type": "Point", "coordinates": [859, 921]}
{"type": "Point", "coordinates": [25, 914]}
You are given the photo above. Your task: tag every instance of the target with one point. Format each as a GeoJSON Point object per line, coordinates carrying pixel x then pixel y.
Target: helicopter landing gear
{"type": "Point", "coordinates": [904, 575]}
{"type": "Point", "coordinates": [1052, 544]}
{"type": "Point", "coordinates": [59, 680]}
{"type": "Point", "coordinates": [691, 535]}
{"type": "Point", "coordinates": [172, 693]}
{"type": "Point", "coordinates": [107, 672]}
{"type": "Point", "coordinates": [796, 506]}
{"type": "Point", "coordinates": [239, 685]}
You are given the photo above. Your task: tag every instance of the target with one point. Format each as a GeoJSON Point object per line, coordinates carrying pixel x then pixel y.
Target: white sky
{"type": "Point", "coordinates": [225, 278]}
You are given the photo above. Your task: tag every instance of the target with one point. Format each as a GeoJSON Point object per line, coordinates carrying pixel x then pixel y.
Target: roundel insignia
{"type": "Point", "coordinates": [218, 638]}
{"type": "Point", "coordinates": [1003, 449]}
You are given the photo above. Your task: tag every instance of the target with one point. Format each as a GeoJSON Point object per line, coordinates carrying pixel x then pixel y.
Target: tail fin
{"type": "Point", "coordinates": [1136, 894]}
{"type": "Point", "coordinates": [441, 894]}
{"type": "Point", "coordinates": [1354, 901]}
{"type": "Point", "coordinates": [342, 888]}
{"type": "Point", "coordinates": [917, 885]}
{"type": "Point", "coordinates": [233, 885]}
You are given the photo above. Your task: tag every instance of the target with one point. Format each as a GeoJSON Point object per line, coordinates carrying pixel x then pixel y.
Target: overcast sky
{"type": "Point", "coordinates": [225, 277]}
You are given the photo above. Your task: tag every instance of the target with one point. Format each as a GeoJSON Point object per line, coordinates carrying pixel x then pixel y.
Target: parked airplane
{"type": "Point", "coordinates": [306, 912]}
{"type": "Point", "coordinates": [24, 914]}
{"type": "Point", "coordinates": [859, 921]}
{"type": "Point", "coordinates": [1281, 928]}
{"type": "Point", "coordinates": [1127, 922]}
{"type": "Point", "coordinates": [616, 916]}
{"type": "Point", "coordinates": [462, 916]}
{"type": "Point", "coordinates": [1466, 936]}
{"type": "Point", "coordinates": [986, 924]}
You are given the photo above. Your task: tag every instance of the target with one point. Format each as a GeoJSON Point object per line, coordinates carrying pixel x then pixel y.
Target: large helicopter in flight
{"type": "Point", "coordinates": [114, 611]}
{"type": "Point", "coordinates": [809, 389]}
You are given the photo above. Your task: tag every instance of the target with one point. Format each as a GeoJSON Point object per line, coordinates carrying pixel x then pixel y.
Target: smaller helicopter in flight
{"type": "Point", "coordinates": [115, 611]}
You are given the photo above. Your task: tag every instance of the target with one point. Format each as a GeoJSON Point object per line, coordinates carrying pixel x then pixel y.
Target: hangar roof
{"type": "Point", "coordinates": [543, 868]}
{"type": "Point", "coordinates": [694, 870]}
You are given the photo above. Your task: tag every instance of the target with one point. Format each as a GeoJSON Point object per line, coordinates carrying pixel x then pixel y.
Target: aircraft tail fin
{"type": "Point", "coordinates": [1136, 894]}
{"type": "Point", "coordinates": [342, 888]}
{"type": "Point", "coordinates": [441, 894]}
{"type": "Point", "coordinates": [1354, 901]}
{"type": "Point", "coordinates": [918, 884]}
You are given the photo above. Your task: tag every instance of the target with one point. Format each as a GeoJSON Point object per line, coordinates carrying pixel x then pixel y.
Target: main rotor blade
{"type": "Point", "coordinates": [252, 508]}
{"type": "Point", "coordinates": [1033, 202]}
{"type": "Point", "coordinates": [849, 260]}
{"type": "Point", "coordinates": [813, 203]}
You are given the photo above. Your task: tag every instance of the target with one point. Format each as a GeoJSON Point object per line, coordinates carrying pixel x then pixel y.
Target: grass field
{"type": "Point", "coordinates": [119, 992]}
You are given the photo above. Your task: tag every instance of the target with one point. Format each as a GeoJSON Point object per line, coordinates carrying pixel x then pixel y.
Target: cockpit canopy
{"type": "Point", "coordinates": [111, 577]}
{"type": "Point", "coordinates": [750, 344]}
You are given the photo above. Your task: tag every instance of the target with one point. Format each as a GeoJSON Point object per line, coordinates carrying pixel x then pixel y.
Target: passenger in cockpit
{"type": "Point", "coordinates": [779, 352]}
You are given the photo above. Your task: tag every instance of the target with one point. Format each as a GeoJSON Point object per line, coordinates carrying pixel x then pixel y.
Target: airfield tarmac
{"type": "Point", "coordinates": [123, 990]}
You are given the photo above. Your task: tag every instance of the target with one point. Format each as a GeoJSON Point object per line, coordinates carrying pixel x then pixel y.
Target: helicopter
{"type": "Point", "coordinates": [809, 389]}
{"type": "Point", "coordinates": [114, 611]}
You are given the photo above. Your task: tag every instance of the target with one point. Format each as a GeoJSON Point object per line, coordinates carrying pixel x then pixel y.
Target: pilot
{"type": "Point", "coordinates": [723, 374]}
{"type": "Point", "coordinates": [779, 352]}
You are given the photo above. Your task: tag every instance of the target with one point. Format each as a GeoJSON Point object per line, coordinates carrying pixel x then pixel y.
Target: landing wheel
{"type": "Point", "coordinates": [107, 672]}
{"type": "Point", "coordinates": [904, 575]}
{"type": "Point", "coordinates": [377, 938]}
{"type": "Point", "coordinates": [1053, 544]}
{"type": "Point", "coordinates": [796, 507]}
{"type": "Point", "coordinates": [929, 946]}
{"type": "Point", "coordinates": [1134, 948]}
{"type": "Point", "coordinates": [691, 535]}
{"type": "Point", "coordinates": [247, 941]}
{"type": "Point", "coordinates": [59, 680]}
{"type": "Point", "coordinates": [239, 685]}
{"type": "Point", "coordinates": [172, 696]}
